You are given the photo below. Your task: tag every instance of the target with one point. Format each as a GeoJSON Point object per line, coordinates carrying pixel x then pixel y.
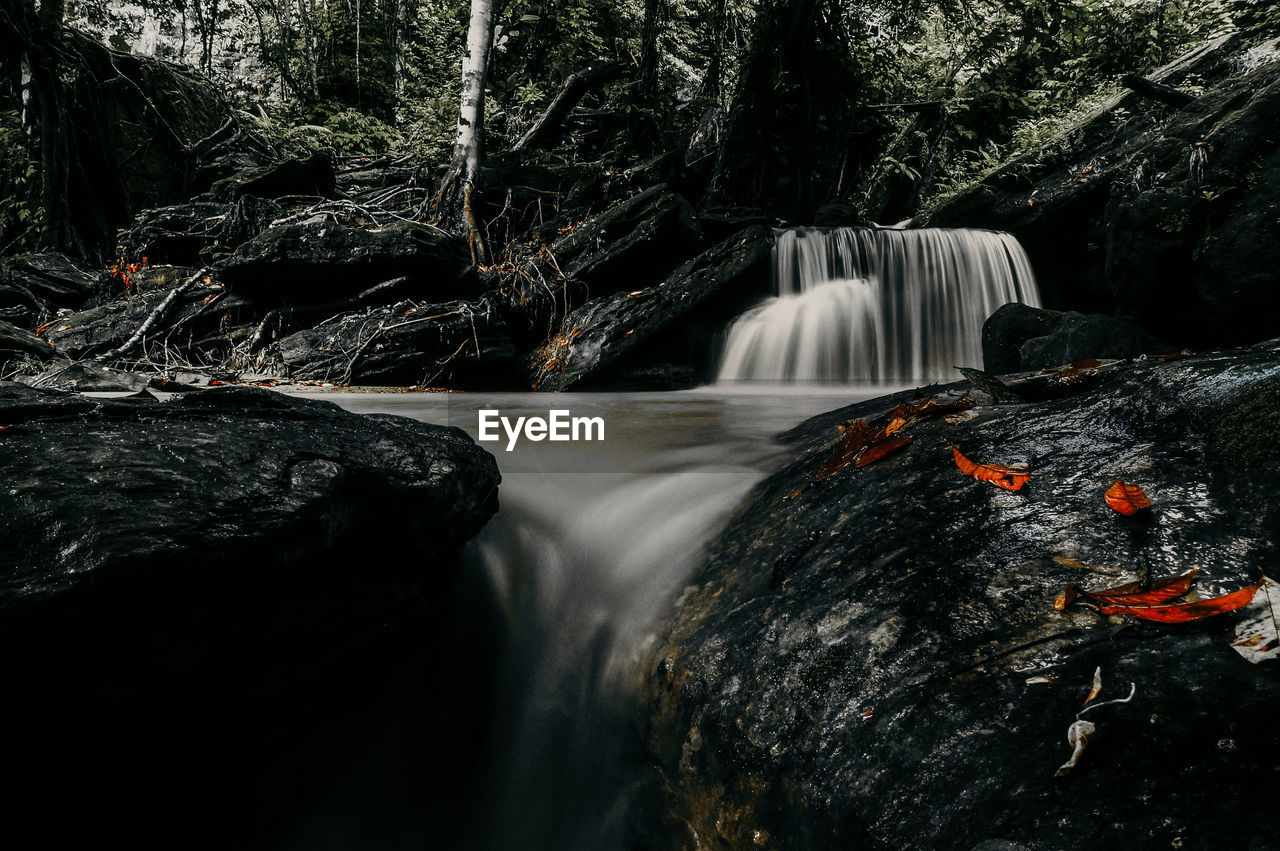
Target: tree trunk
{"type": "Point", "coordinates": [44, 108]}
{"type": "Point", "coordinates": [453, 203]}
{"type": "Point", "coordinates": [785, 137]}
{"type": "Point", "coordinates": [644, 125]}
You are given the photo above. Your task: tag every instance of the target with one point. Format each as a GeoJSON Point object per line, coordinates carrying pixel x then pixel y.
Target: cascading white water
{"type": "Point", "coordinates": [855, 305]}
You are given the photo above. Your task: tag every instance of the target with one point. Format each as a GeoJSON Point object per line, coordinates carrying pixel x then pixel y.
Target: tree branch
{"type": "Point", "coordinates": [1156, 91]}
{"type": "Point", "coordinates": [576, 85]}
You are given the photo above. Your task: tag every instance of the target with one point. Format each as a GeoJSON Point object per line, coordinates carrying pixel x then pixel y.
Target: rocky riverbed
{"type": "Point", "coordinates": [875, 661]}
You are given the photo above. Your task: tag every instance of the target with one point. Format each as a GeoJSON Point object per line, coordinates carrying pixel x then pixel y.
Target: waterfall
{"type": "Point", "coordinates": [869, 305]}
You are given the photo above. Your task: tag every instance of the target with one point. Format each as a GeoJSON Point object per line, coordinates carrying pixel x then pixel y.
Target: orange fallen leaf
{"type": "Point", "coordinates": [880, 449]}
{"type": "Point", "coordinates": [1131, 593]}
{"type": "Point", "coordinates": [1009, 478]}
{"type": "Point", "coordinates": [1127, 499]}
{"type": "Point", "coordinates": [860, 445]}
{"type": "Point", "coordinates": [1186, 612]}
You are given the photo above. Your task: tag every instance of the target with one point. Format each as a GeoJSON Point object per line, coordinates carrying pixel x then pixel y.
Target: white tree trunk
{"type": "Point", "coordinates": [453, 202]}
{"type": "Point", "coordinates": [475, 67]}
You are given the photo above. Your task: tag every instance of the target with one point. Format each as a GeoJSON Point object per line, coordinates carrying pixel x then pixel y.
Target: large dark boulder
{"type": "Point", "coordinates": [455, 344]}
{"type": "Point", "coordinates": [199, 602]}
{"type": "Point", "coordinates": [317, 261]}
{"type": "Point", "coordinates": [633, 242]}
{"type": "Point", "coordinates": [1007, 329]}
{"type": "Point", "coordinates": [1020, 338]}
{"type": "Point", "coordinates": [1161, 215]}
{"type": "Point", "coordinates": [670, 322]}
{"type": "Point", "coordinates": [876, 661]}
{"type": "Point", "coordinates": [1081, 336]}
{"type": "Point", "coordinates": [138, 129]}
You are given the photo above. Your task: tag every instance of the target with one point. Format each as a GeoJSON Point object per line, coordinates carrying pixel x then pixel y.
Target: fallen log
{"type": "Point", "coordinates": [1156, 91]}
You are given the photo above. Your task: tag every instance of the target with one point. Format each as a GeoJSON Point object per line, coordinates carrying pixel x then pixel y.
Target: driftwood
{"type": "Point", "coordinates": [577, 84]}
{"type": "Point", "coordinates": [1156, 91]}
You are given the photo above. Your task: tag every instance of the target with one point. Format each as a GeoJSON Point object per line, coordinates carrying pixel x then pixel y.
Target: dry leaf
{"type": "Point", "coordinates": [1127, 499]}
{"type": "Point", "coordinates": [1009, 478]}
{"type": "Point", "coordinates": [1097, 685]}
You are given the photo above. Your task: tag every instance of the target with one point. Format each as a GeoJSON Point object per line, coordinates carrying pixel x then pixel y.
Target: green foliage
{"type": "Point", "coordinates": [1256, 18]}
{"type": "Point", "coordinates": [21, 215]}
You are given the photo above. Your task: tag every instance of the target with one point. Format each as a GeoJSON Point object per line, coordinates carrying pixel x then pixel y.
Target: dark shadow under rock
{"type": "Point", "coordinates": [314, 176]}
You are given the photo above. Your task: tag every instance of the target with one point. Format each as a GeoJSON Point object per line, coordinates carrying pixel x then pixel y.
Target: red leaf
{"type": "Point", "coordinates": [1127, 499]}
{"type": "Point", "coordinates": [861, 445]}
{"type": "Point", "coordinates": [1186, 612]}
{"type": "Point", "coordinates": [1008, 478]}
{"type": "Point", "coordinates": [1131, 593]}
{"type": "Point", "coordinates": [881, 448]}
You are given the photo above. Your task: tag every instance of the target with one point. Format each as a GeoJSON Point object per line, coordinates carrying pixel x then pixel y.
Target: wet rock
{"type": "Point", "coordinates": [670, 322]}
{"type": "Point", "coordinates": [876, 661]}
{"type": "Point", "coordinates": [1019, 338]}
{"type": "Point", "coordinates": [454, 344]}
{"type": "Point", "coordinates": [316, 262]}
{"type": "Point", "coordinates": [840, 214]}
{"type": "Point", "coordinates": [1077, 336]}
{"type": "Point", "coordinates": [179, 234]}
{"type": "Point", "coordinates": [630, 243]}
{"type": "Point", "coordinates": [313, 176]}
{"type": "Point", "coordinates": [197, 233]}
{"type": "Point", "coordinates": [1007, 329]}
{"type": "Point", "coordinates": [226, 585]}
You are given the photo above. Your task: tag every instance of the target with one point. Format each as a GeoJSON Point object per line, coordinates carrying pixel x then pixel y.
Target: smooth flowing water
{"type": "Point", "coordinates": [855, 305]}
{"type": "Point", "coordinates": [592, 545]}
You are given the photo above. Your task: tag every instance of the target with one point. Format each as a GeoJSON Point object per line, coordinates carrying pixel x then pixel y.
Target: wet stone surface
{"type": "Point", "coordinates": [877, 662]}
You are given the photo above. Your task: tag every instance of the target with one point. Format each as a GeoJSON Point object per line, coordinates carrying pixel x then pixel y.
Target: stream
{"type": "Point", "coordinates": [593, 543]}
